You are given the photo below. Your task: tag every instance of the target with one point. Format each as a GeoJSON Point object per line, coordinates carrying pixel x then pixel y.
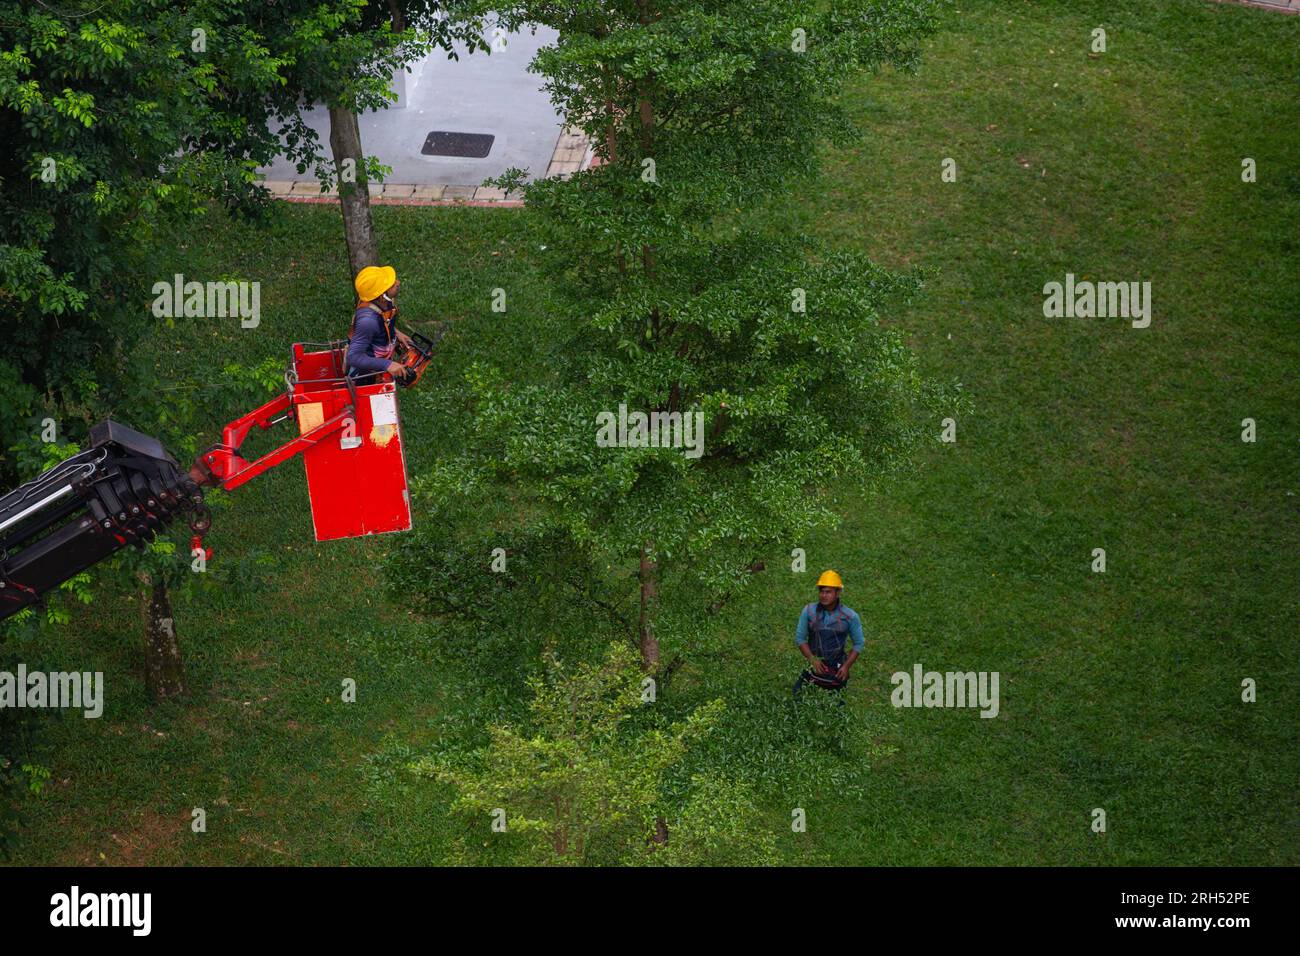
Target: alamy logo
{"type": "Point", "coordinates": [103, 909]}
{"type": "Point", "coordinates": [656, 430]}
{"type": "Point", "coordinates": [208, 300]}
{"type": "Point", "coordinates": [56, 689]}
{"type": "Point", "coordinates": [1105, 300]}
{"type": "Point", "coordinates": [923, 688]}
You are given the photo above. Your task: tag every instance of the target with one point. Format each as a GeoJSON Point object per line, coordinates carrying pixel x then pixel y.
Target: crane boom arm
{"type": "Point", "coordinates": [125, 488]}
{"type": "Point", "coordinates": [122, 490]}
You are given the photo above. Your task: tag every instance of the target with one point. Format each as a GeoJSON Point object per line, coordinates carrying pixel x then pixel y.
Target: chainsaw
{"type": "Point", "coordinates": [415, 357]}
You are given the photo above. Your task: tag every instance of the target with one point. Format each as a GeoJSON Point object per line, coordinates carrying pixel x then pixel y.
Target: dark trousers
{"type": "Point", "coordinates": [824, 681]}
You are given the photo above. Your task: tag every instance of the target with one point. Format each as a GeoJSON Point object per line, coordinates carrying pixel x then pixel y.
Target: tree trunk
{"type": "Point", "coordinates": [611, 147]}
{"type": "Point", "coordinates": [395, 14]}
{"type": "Point", "coordinates": [164, 671]}
{"type": "Point", "coordinates": [648, 575]}
{"type": "Point", "coordinates": [560, 838]}
{"type": "Point", "coordinates": [611, 137]}
{"type": "Point", "coordinates": [661, 832]}
{"type": "Point", "coordinates": [354, 197]}
{"type": "Point", "coordinates": [649, 570]}
{"type": "Point", "coordinates": [646, 133]}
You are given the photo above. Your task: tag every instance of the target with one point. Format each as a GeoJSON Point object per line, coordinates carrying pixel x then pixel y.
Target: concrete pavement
{"type": "Point", "coordinates": [481, 93]}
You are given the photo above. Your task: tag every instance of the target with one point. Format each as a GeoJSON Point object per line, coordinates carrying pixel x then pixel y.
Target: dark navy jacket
{"type": "Point", "coordinates": [370, 348]}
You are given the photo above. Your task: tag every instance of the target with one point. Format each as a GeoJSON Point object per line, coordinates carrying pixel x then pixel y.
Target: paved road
{"type": "Point", "coordinates": [479, 93]}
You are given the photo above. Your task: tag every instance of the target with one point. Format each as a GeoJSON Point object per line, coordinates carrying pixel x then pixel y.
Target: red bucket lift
{"type": "Point", "coordinates": [350, 438]}
{"type": "Point", "coordinates": [356, 476]}
{"type": "Point", "coordinates": [124, 489]}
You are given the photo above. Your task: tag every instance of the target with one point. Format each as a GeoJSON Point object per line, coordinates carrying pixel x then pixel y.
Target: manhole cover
{"type": "Point", "coordinates": [469, 145]}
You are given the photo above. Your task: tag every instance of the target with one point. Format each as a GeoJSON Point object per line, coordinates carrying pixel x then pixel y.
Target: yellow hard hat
{"type": "Point", "coordinates": [829, 579]}
{"type": "Point", "coordinates": [374, 281]}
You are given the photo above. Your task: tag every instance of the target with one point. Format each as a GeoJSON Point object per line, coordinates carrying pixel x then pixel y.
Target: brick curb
{"type": "Point", "coordinates": [380, 201]}
{"type": "Point", "coordinates": [572, 154]}
{"type": "Point", "coordinates": [1280, 6]}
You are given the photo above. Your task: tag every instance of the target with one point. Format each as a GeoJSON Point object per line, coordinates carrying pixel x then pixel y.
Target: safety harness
{"type": "Point", "coordinates": [827, 642]}
{"type": "Point", "coordinates": [386, 316]}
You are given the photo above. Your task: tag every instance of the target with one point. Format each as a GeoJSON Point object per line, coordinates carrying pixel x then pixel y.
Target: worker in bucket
{"type": "Point", "coordinates": [374, 335]}
{"type": "Point", "coordinates": [823, 632]}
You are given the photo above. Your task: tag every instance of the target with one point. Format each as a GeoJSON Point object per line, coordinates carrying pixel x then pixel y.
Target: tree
{"type": "Point", "coordinates": [401, 18]}
{"type": "Point", "coordinates": [98, 108]}
{"type": "Point", "coordinates": [122, 124]}
{"type": "Point", "coordinates": [672, 303]}
{"type": "Point", "coordinates": [341, 54]}
{"type": "Point", "coordinates": [121, 121]}
{"type": "Point", "coordinates": [581, 781]}
{"type": "Point", "coordinates": [156, 571]}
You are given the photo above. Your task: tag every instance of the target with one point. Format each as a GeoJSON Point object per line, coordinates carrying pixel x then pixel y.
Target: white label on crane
{"type": "Point", "coordinates": [383, 409]}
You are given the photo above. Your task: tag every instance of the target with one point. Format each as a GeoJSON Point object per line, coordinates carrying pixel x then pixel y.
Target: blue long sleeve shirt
{"type": "Point", "coordinates": [371, 342]}
{"type": "Point", "coordinates": [855, 625]}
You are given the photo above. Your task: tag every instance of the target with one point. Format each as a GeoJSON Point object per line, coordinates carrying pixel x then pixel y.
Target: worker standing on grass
{"type": "Point", "coordinates": [824, 627]}
{"type": "Point", "coordinates": [374, 335]}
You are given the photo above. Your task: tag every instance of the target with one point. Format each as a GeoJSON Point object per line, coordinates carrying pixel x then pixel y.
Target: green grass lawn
{"type": "Point", "coordinates": [1118, 690]}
